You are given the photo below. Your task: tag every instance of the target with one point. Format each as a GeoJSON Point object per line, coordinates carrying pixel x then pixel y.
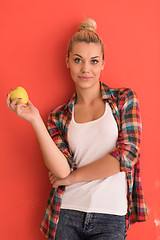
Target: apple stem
{"type": "Point", "coordinates": [11, 89]}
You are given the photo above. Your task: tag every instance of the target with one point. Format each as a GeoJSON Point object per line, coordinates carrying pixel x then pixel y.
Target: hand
{"type": "Point", "coordinates": [56, 182]}
{"type": "Point", "coordinates": [26, 111]}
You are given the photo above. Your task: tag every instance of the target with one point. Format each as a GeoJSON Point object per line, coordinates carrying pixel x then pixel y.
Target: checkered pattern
{"type": "Point", "coordinates": [125, 109]}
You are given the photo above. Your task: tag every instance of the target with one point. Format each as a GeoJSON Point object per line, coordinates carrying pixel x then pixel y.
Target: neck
{"type": "Point", "coordinates": [88, 95]}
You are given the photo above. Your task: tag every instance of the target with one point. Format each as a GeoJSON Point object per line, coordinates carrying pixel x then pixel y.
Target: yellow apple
{"type": "Point", "coordinates": [19, 92]}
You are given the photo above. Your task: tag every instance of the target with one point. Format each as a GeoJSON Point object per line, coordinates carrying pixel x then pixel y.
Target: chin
{"type": "Point", "coordinates": [86, 83]}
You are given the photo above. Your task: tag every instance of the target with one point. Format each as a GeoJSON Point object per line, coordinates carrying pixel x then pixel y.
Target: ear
{"type": "Point", "coordinates": [67, 61]}
{"type": "Point", "coordinates": [103, 63]}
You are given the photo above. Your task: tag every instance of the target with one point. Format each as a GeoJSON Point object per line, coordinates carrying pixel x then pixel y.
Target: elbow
{"type": "Point", "coordinates": [128, 161]}
{"type": "Point", "coordinates": [63, 173]}
{"type": "Point", "coordinates": [128, 156]}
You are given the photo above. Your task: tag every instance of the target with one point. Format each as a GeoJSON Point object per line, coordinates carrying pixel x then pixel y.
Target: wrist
{"type": "Point", "coordinates": [36, 121]}
{"type": "Point", "coordinates": [73, 177]}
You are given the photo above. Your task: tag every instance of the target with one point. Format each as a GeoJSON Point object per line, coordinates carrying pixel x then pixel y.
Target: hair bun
{"type": "Point", "coordinates": [88, 24]}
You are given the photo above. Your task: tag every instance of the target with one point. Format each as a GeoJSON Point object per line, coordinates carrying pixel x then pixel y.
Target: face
{"type": "Point", "coordinates": [85, 63]}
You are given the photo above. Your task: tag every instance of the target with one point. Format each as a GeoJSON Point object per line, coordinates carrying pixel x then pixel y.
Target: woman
{"type": "Point", "coordinates": [93, 151]}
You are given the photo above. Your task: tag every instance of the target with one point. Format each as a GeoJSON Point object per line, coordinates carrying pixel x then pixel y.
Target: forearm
{"type": "Point", "coordinates": [53, 157]}
{"type": "Point", "coordinates": [99, 169]}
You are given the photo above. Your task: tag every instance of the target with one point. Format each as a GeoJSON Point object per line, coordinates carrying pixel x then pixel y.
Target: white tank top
{"type": "Point", "coordinates": [90, 141]}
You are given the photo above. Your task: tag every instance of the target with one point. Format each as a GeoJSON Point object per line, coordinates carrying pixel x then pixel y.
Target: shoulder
{"type": "Point", "coordinates": [64, 109]}
{"type": "Point", "coordinates": [119, 93]}
{"type": "Point", "coordinates": [122, 97]}
{"type": "Point", "coordinates": [122, 93]}
{"type": "Point", "coordinates": [57, 113]}
{"type": "Point", "coordinates": [57, 110]}
{"type": "Point", "coordinates": [55, 116]}
{"type": "Point", "coordinates": [126, 98]}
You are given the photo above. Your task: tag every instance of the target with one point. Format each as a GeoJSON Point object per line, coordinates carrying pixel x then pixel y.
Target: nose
{"type": "Point", "coordinates": [85, 67]}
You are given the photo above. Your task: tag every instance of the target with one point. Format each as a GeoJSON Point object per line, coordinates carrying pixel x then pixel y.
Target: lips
{"type": "Point", "coordinates": [85, 77]}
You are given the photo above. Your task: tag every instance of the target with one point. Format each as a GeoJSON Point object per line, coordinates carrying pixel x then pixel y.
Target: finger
{"type": "Point", "coordinates": [55, 184]}
{"type": "Point", "coordinates": [52, 179]}
{"type": "Point", "coordinates": [50, 173]}
{"type": "Point", "coordinates": [8, 101]}
{"type": "Point", "coordinates": [20, 105]}
{"type": "Point", "coordinates": [13, 104]}
{"type": "Point", "coordinates": [29, 102]}
{"type": "Point", "coordinates": [15, 101]}
{"type": "Point", "coordinates": [8, 97]}
{"type": "Point", "coordinates": [21, 109]}
{"type": "Point", "coordinates": [58, 183]}
{"type": "Point", "coordinates": [51, 176]}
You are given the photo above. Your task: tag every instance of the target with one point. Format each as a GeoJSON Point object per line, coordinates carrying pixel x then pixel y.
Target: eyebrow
{"type": "Point", "coordinates": [81, 56]}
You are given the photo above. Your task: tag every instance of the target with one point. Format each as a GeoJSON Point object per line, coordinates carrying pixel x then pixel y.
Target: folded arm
{"type": "Point", "coordinates": [99, 169]}
{"type": "Point", "coordinates": [123, 157]}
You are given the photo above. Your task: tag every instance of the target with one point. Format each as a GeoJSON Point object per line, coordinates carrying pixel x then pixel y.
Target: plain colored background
{"type": "Point", "coordinates": [33, 44]}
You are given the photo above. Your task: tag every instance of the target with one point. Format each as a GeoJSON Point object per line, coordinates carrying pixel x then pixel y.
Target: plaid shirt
{"type": "Point", "coordinates": [125, 109]}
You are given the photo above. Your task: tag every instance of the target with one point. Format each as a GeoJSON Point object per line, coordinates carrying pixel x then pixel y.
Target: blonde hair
{"type": "Point", "coordinates": [86, 33]}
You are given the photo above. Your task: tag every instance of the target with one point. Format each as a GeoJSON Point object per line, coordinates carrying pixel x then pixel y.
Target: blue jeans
{"type": "Point", "coordinates": [77, 225]}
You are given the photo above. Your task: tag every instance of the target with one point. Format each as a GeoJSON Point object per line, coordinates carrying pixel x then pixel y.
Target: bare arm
{"type": "Point", "coordinates": [53, 157]}
{"type": "Point", "coordinates": [99, 169]}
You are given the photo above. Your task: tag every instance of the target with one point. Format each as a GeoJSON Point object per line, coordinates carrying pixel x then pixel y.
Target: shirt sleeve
{"type": "Point", "coordinates": [58, 138]}
{"type": "Point", "coordinates": [128, 143]}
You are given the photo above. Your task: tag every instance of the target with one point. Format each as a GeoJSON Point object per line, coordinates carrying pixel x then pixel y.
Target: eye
{"type": "Point", "coordinates": [77, 60]}
{"type": "Point", "coordinates": [94, 61]}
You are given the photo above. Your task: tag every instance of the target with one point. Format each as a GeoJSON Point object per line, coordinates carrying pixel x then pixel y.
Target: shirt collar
{"type": "Point", "coordinates": [105, 94]}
